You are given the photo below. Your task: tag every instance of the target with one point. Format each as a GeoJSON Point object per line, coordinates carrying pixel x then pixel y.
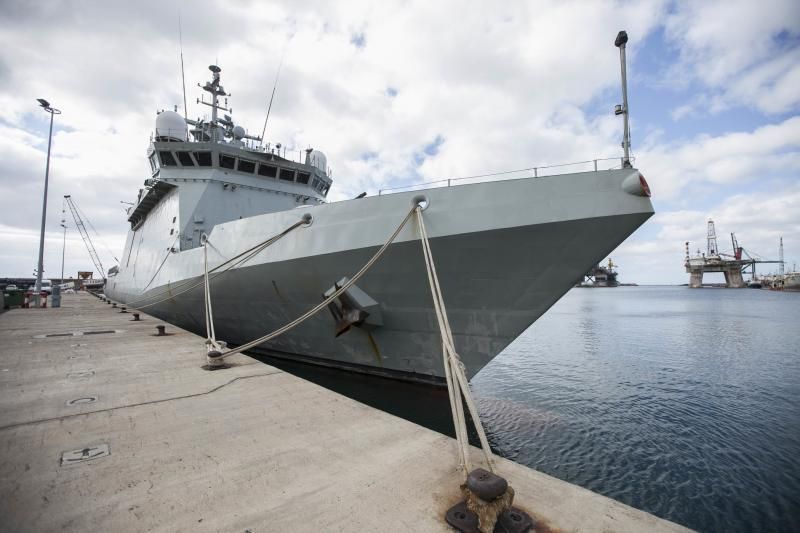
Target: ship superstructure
{"type": "Point", "coordinates": [505, 250]}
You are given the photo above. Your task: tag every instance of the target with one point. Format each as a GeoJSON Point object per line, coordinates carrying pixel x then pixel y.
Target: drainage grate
{"type": "Point", "coordinates": [59, 335]}
{"type": "Point", "coordinates": [81, 401]}
{"type": "Point", "coordinates": [99, 332]}
{"type": "Point", "coordinates": [85, 454]}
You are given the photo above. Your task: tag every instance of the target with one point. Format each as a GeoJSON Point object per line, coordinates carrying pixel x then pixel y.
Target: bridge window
{"type": "Point", "coordinates": [226, 161]}
{"type": "Point", "coordinates": [287, 174]}
{"type": "Point", "coordinates": [153, 163]}
{"type": "Point", "coordinates": [185, 159]}
{"type": "Point", "coordinates": [167, 159]}
{"type": "Point", "coordinates": [302, 177]}
{"type": "Point", "coordinates": [203, 158]}
{"type": "Point", "coordinates": [247, 166]}
{"type": "Point", "coordinates": [267, 170]}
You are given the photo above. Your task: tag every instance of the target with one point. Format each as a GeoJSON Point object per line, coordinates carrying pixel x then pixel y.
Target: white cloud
{"type": "Point", "coordinates": [681, 111]}
{"type": "Point", "coordinates": [726, 159]}
{"type": "Point", "coordinates": [506, 87]}
{"type": "Point", "coordinates": [745, 52]}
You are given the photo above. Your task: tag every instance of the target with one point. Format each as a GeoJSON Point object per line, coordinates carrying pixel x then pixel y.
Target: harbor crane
{"type": "Point", "coordinates": [85, 235]}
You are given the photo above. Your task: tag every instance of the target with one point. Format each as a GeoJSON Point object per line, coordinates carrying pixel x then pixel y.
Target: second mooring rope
{"type": "Point", "coordinates": [229, 264]}
{"type": "Point", "coordinates": [314, 310]}
{"type": "Point", "coordinates": [455, 375]}
{"type": "Point", "coordinates": [211, 337]}
{"type": "Point", "coordinates": [457, 384]}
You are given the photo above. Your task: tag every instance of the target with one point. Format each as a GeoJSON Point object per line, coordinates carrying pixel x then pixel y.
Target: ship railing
{"type": "Point", "coordinates": [541, 171]}
{"type": "Point", "coordinates": [290, 154]}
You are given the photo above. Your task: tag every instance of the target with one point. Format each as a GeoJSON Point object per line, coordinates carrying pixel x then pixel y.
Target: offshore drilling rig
{"type": "Point", "coordinates": [732, 265]}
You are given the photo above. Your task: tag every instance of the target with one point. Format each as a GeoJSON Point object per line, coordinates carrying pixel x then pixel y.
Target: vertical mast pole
{"type": "Point", "coordinates": [183, 77]}
{"type": "Point", "coordinates": [64, 242]}
{"type": "Point", "coordinates": [619, 42]}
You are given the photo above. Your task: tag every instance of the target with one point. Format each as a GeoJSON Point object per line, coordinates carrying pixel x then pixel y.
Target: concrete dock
{"type": "Point", "coordinates": [106, 427]}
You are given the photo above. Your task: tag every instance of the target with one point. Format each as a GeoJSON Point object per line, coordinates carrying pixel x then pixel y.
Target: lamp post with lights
{"type": "Point", "coordinates": [38, 287]}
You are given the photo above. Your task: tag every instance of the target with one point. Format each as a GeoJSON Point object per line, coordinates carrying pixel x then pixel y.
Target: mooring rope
{"type": "Point", "coordinates": [455, 375]}
{"type": "Point", "coordinates": [211, 338]}
{"type": "Point", "coordinates": [322, 305]}
{"type": "Point", "coordinates": [458, 388]}
{"type": "Point", "coordinates": [229, 264]}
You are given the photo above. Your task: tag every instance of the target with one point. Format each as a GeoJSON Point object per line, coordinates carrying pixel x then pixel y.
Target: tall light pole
{"type": "Point", "coordinates": [46, 106]}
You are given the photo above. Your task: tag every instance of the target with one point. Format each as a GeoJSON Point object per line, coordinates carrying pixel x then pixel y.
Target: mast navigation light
{"type": "Point", "coordinates": [619, 42]}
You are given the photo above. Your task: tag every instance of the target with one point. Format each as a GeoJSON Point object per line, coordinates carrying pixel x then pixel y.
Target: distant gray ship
{"type": "Point", "coordinates": [505, 251]}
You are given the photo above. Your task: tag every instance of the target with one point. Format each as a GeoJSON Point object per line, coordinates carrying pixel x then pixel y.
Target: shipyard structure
{"type": "Point", "coordinates": [733, 265]}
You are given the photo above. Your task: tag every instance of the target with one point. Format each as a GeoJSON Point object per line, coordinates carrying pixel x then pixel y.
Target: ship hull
{"type": "Point", "coordinates": [503, 254]}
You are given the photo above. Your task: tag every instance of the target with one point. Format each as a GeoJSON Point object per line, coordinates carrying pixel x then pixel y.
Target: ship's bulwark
{"type": "Point", "coordinates": [495, 284]}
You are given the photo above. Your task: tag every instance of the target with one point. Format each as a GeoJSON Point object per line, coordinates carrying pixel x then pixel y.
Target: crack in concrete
{"type": "Point", "coordinates": [151, 402]}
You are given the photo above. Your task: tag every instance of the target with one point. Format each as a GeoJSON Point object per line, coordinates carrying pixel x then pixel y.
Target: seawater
{"type": "Point", "coordinates": [682, 402]}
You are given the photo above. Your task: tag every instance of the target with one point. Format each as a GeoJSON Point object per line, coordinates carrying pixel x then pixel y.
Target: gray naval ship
{"type": "Point", "coordinates": [505, 251]}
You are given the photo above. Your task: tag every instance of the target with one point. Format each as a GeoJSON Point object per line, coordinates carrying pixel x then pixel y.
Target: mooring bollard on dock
{"type": "Point", "coordinates": [135, 317]}
{"type": "Point", "coordinates": [487, 506]}
{"type": "Point", "coordinates": [123, 309]}
{"type": "Point", "coordinates": [161, 331]}
{"type": "Point", "coordinates": [214, 359]}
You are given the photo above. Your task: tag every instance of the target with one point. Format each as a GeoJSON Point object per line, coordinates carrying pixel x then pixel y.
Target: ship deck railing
{"type": "Point", "coordinates": [541, 171]}
{"type": "Point", "coordinates": [294, 155]}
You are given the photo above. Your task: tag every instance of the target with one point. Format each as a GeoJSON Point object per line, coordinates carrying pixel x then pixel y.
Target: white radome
{"type": "Point", "coordinates": [319, 160]}
{"type": "Point", "coordinates": [170, 126]}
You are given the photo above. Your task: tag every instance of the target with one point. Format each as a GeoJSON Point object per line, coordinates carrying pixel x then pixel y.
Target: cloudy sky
{"type": "Point", "coordinates": [401, 92]}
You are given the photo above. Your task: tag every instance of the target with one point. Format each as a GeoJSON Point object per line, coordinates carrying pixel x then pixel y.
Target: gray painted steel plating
{"type": "Point", "coordinates": [505, 252]}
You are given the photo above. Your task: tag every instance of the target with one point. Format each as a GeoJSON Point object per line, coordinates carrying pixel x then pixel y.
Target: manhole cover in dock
{"type": "Point", "coordinates": [79, 356]}
{"type": "Point", "coordinates": [81, 401]}
{"type": "Point", "coordinates": [81, 374]}
{"type": "Point", "coordinates": [82, 455]}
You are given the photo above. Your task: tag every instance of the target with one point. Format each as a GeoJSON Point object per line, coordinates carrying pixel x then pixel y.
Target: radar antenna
{"type": "Point", "coordinates": [216, 91]}
{"type": "Point", "coordinates": [183, 76]}
{"type": "Point", "coordinates": [271, 98]}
